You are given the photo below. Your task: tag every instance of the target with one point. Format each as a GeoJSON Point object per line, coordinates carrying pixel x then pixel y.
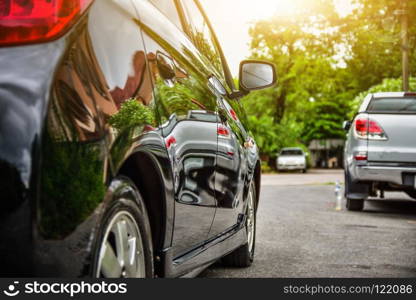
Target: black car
{"type": "Point", "coordinates": [123, 145]}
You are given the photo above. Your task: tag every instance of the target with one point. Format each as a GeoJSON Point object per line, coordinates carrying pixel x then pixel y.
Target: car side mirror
{"type": "Point", "coordinates": [256, 75]}
{"type": "Point", "coordinates": [347, 125]}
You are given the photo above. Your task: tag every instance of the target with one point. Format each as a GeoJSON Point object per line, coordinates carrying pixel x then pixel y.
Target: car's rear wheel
{"type": "Point", "coordinates": [355, 204]}
{"type": "Point", "coordinates": [351, 188]}
{"type": "Point", "coordinates": [125, 244]}
{"type": "Point", "coordinates": [243, 257]}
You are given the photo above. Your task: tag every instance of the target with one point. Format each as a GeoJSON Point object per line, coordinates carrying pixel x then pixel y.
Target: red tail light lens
{"type": "Point", "coordinates": [361, 128]}
{"type": "Point", "coordinates": [170, 142]}
{"type": "Point", "coordinates": [375, 129]}
{"type": "Point", "coordinates": [361, 156]}
{"type": "Point", "coordinates": [31, 21]}
{"type": "Point", "coordinates": [233, 115]}
{"type": "Point", "coordinates": [222, 131]}
{"type": "Point", "coordinates": [369, 129]}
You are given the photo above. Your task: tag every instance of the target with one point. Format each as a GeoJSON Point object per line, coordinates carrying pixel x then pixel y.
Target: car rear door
{"type": "Point", "coordinates": [396, 117]}
{"type": "Point", "coordinates": [188, 120]}
{"type": "Point", "coordinates": [234, 149]}
{"type": "Point", "coordinates": [231, 158]}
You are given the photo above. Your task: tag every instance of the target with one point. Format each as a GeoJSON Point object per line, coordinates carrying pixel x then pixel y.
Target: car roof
{"type": "Point", "coordinates": [370, 97]}
{"type": "Point", "coordinates": [389, 95]}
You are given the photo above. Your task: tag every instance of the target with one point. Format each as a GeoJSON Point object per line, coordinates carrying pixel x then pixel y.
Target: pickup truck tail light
{"type": "Point", "coordinates": [35, 21]}
{"type": "Point", "coordinates": [223, 131]}
{"type": "Point", "coordinates": [361, 156]}
{"type": "Point", "coordinates": [368, 129]}
{"type": "Point", "coordinates": [170, 142]}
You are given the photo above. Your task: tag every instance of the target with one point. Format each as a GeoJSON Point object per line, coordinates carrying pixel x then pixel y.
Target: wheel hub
{"type": "Point", "coordinates": [121, 251]}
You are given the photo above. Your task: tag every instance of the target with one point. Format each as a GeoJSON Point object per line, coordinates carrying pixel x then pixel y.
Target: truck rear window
{"type": "Point", "coordinates": [393, 105]}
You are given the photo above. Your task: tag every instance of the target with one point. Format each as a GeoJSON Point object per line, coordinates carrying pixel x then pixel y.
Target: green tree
{"type": "Point", "coordinates": [309, 100]}
{"type": "Point", "coordinates": [324, 61]}
{"type": "Point", "coordinates": [371, 35]}
{"type": "Point", "coordinates": [132, 113]}
{"type": "Point", "coordinates": [388, 85]}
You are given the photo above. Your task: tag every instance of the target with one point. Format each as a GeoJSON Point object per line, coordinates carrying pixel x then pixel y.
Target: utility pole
{"type": "Point", "coordinates": [405, 45]}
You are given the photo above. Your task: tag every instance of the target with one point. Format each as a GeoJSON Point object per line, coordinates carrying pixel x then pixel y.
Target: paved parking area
{"type": "Point", "coordinates": [300, 234]}
{"type": "Point", "coordinates": [313, 177]}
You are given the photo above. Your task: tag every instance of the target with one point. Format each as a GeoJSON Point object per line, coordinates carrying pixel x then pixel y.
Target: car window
{"type": "Point", "coordinates": [126, 74]}
{"type": "Point", "coordinates": [291, 153]}
{"type": "Point", "coordinates": [393, 105]}
{"type": "Point", "coordinates": [168, 8]}
{"type": "Point", "coordinates": [201, 35]}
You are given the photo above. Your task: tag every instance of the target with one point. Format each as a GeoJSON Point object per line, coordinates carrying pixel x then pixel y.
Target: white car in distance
{"type": "Point", "coordinates": [292, 159]}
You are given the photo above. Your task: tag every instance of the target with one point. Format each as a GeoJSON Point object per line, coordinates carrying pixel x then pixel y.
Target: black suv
{"type": "Point", "coordinates": [123, 146]}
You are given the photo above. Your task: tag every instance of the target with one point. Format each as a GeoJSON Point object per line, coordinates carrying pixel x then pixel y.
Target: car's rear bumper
{"type": "Point", "coordinates": [291, 167]}
{"type": "Point", "coordinates": [388, 174]}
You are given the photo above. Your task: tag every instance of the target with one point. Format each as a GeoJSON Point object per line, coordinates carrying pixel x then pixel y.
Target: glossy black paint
{"type": "Point", "coordinates": [187, 111]}
{"type": "Point", "coordinates": [22, 111]}
{"type": "Point", "coordinates": [63, 147]}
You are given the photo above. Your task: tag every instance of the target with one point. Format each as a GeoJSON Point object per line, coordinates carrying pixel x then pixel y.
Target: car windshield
{"type": "Point", "coordinates": [292, 152]}
{"type": "Point", "coordinates": [393, 105]}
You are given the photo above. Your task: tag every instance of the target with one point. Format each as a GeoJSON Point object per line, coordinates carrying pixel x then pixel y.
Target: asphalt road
{"type": "Point", "coordinates": [300, 234]}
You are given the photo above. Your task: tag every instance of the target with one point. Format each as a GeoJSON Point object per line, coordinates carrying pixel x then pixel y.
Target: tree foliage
{"type": "Point", "coordinates": [324, 61]}
{"type": "Point", "coordinates": [388, 85]}
{"type": "Point", "coordinates": [132, 113]}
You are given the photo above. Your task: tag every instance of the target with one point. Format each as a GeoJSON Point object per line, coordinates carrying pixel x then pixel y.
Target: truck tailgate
{"type": "Point", "coordinates": [401, 144]}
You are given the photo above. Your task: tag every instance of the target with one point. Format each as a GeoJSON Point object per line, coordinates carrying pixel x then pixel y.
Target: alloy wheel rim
{"type": "Point", "coordinates": [251, 221]}
{"type": "Point", "coordinates": [121, 253]}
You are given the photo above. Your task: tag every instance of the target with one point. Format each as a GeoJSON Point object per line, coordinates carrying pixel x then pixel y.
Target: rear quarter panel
{"type": "Point", "coordinates": [25, 78]}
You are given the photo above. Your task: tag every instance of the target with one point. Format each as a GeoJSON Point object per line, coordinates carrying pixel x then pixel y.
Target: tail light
{"type": "Point", "coordinates": [361, 156]}
{"type": "Point", "coordinates": [223, 131]}
{"type": "Point", "coordinates": [170, 142]}
{"type": "Point", "coordinates": [32, 21]}
{"type": "Point", "coordinates": [233, 114]}
{"type": "Point", "coordinates": [369, 129]}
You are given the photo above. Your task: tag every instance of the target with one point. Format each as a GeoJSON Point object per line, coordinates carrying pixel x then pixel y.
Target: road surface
{"type": "Point", "coordinates": [300, 234]}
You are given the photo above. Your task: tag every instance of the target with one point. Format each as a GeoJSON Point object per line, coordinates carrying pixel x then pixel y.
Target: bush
{"type": "Point", "coordinates": [132, 113]}
{"type": "Point", "coordinates": [265, 168]}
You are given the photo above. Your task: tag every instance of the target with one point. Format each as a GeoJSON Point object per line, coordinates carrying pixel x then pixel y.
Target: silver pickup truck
{"type": "Point", "coordinates": [380, 153]}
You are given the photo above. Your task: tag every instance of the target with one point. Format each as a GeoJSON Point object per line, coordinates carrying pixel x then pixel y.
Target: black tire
{"type": "Point", "coordinates": [304, 171]}
{"type": "Point", "coordinates": [243, 257]}
{"type": "Point", "coordinates": [411, 194]}
{"type": "Point", "coordinates": [355, 205]}
{"type": "Point", "coordinates": [355, 189]}
{"type": "Point", "coordinates": [128, 204]}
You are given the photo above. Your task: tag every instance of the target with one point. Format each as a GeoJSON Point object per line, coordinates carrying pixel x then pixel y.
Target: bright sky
{"type": "Point", "coordinates": [232, 18]}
